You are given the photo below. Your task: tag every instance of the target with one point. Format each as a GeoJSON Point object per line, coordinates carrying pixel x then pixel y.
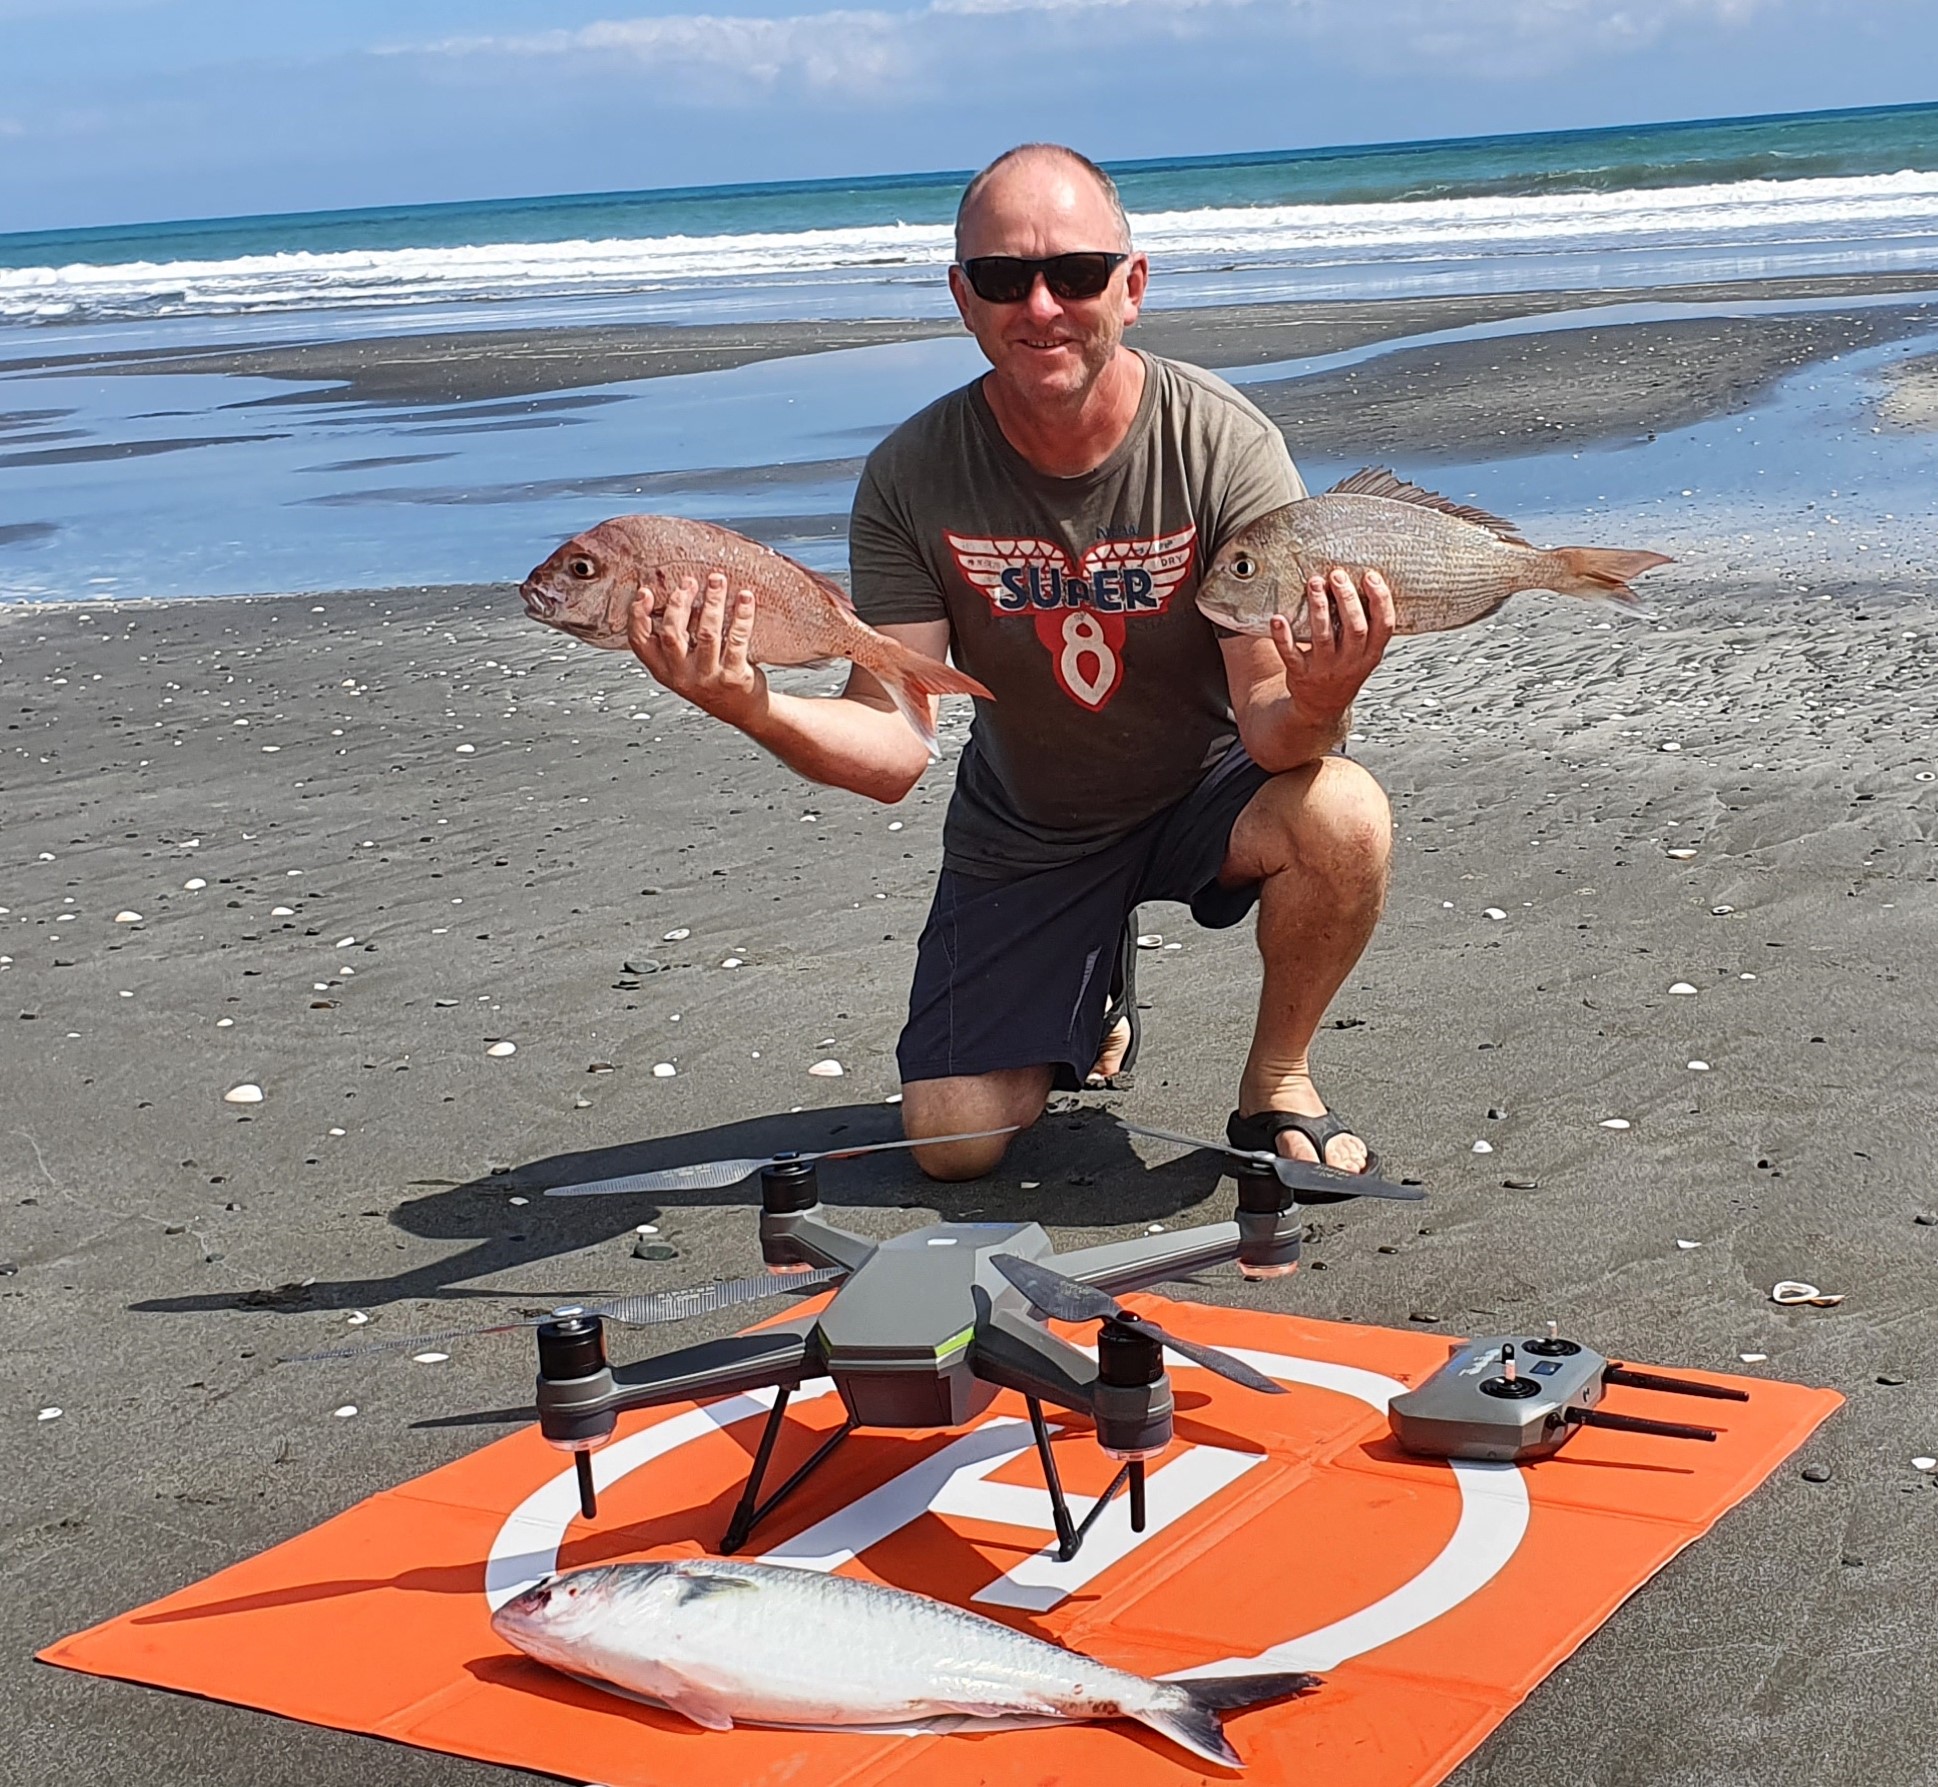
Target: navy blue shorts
{"type": "Point", "coordinates": [1018, 973]}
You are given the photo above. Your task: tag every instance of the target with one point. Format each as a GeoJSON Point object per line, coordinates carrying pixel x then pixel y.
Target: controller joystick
{"type": "Point", "coordinates": [1552, 1346]}
{"type": "Point", "coordinates": [1510, 1383]}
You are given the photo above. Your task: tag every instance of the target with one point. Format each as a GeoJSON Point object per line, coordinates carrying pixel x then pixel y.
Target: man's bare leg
{"type": "Point", "coordinates": [967, 1102]}
{"type": "Point", "coordinates": [1318, 840]}
{"type": "Point", "coordinates": [1112, 1050]}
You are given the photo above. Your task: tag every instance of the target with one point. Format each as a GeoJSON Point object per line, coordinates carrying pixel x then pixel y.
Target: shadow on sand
{"type": "Point", "coordinates": [1084, 1173]}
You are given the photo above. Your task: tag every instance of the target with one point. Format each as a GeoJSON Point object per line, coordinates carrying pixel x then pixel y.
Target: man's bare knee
{"type": "Point", "coordinates": [1011, 1099]}
{"type": "Point", "coordinates": [1331, 821]}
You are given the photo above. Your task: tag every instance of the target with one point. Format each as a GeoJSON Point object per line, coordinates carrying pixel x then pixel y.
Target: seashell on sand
{"type": "Point", "coordinates": [1794, 1291]}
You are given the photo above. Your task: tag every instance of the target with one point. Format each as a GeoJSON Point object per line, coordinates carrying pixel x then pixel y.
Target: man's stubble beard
{"type": "Point", "coordinates": [1098, 350]}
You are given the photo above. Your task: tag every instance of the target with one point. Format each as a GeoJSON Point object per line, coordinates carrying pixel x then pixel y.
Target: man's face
{"type": "Point", "coordinates": [1047, 351]}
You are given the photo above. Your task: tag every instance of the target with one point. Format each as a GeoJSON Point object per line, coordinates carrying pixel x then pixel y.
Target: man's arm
{"type": "Point", "coordinates": [696, 645]}
{"type": "Point", "coordinates": [1293, 702]}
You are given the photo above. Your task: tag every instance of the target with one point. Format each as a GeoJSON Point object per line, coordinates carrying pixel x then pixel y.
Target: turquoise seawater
{"type": "Point", "coordinates": [1814, 145]}
{"type": "Point", "coordinates": [126, 469]}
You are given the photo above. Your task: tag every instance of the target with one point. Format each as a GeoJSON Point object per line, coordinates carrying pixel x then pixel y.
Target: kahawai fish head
{"type": "Point", "coordinates": [1253, 576]}
{"type": "Point", "coordinates": [587, 586]}
{"type": "Point", "coordinates": [554, 1619]}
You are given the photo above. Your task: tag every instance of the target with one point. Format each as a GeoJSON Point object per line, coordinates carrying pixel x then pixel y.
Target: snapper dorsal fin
{"type": "Point", "coordinates": [826, 585]}
{"type": "Point", "coordinates": [1376, 480]}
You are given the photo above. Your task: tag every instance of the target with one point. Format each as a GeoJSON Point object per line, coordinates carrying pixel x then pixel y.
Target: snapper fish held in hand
{"type": "Point", "coordinates": [586, 588]}
{"type": "Point", "coordinates": [1447, 564]}
{"type": "Point", "coordinates": [723, 1643]}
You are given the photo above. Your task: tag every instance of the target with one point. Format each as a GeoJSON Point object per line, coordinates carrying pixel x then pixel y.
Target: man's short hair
{"type": "Point", "coordinates": [1104, 183]}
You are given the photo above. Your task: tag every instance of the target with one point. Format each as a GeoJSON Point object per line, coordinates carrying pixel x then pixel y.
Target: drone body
{"type": "Point", "coordinates": [925, 1328]}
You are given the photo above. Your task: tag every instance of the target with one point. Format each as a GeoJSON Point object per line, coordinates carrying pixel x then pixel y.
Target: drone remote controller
{"type": "Point", "coordinates": [1510, 1398]}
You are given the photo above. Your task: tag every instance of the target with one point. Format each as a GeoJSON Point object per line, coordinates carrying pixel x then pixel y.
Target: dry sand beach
{"type": "Point", "coordinates": [1677, 873]}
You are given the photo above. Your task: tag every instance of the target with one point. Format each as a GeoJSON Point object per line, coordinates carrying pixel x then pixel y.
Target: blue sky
{"type": "Point", "coordinates": [134, 110]}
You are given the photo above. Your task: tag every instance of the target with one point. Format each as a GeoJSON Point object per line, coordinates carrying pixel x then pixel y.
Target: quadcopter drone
{"type": "Point", "coordinates": [924, 1329]}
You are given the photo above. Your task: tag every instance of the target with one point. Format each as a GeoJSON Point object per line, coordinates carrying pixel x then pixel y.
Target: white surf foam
{"type": "Point", "coordinates": [1876, 211]}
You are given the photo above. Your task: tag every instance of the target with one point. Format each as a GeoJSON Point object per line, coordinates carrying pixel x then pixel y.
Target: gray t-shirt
{"type": "Point", "coordinates": [1072, 601]}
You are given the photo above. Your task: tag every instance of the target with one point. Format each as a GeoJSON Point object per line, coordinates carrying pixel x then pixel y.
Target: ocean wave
{"type": "Point", "coordinates": [1739, 214]}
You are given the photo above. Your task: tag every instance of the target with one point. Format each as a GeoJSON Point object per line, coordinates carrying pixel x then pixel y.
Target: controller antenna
{"type": "Point", "coordinates": [1668, 1430]}
{"type": "Point", "coordinates": [1617, 1373]}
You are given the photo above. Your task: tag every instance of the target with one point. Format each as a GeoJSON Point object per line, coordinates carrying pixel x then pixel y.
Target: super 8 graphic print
{"type": "Point", "coordinates": [1072, 600]}
{"type": "Point", "coordinates": [1080, 610]}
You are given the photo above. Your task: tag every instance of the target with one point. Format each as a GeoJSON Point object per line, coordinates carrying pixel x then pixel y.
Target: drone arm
{"type": "Point", "coordinates": [1015, 1352]}
{"type": "Point", "coordinates": [1119, 1266]}
{"type": "Point", "coordinates": [804, 1238]}
{"type": "Point", "coordinates": [770, 1357]}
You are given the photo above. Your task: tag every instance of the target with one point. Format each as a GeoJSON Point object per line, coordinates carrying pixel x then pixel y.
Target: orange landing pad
{"type": "Point", "coordinates": [1289, 1529]}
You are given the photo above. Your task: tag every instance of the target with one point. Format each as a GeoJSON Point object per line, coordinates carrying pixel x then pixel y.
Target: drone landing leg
{"type": "Point", "coordinates": [750, 1512]}
{"type": "Point", "coordinates": [1070, 1533]}
{"type": "Point", "coordinates": [1067, 1536]}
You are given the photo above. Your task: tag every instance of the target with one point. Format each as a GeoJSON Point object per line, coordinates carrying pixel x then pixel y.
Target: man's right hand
{"type": "Point", "coordinates": [696, 645]}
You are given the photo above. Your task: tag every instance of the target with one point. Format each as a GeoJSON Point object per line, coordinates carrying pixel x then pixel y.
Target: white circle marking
{"type": "Point", "coordinates": [1493, 1519]}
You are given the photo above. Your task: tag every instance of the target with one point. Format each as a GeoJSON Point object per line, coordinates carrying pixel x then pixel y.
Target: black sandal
{"type": "Point", "coordinates": [1260, 1132]}
{"type": "Point", "coordinates": [1122, 1008]}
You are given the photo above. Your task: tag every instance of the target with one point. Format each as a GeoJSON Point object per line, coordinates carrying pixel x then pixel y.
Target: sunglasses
{"type": "Point", "coordinates": [1009, 279]}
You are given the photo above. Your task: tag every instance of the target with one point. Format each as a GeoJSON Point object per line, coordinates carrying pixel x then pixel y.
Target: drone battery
{"type": "Point", "coordinates": [884, 1394]}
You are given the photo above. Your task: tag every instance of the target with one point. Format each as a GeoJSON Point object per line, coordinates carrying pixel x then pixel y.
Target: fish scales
{"type": "Point", "coordinates": [588, 588]}
{"type": "Point", "coordinates": [724, 1642]}
{"type": "Point", "coordinates": [1447, 564]}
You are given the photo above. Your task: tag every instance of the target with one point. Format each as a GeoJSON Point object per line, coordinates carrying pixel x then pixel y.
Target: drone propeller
{"type": "Point", "coordinates": [715, 1175]}
{"type": "Point", "coordinates": [1070, 1300]}
{"type": "Point", "coordinates": [1294, 1175]}
{"type": "Point", "coordinates": [641, 1311]}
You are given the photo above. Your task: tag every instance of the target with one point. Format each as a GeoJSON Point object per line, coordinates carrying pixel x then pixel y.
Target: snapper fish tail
{"type": "Point", "coordinates": [1601, 573]}
{"type": "Point", "coordinates": [913, 681]}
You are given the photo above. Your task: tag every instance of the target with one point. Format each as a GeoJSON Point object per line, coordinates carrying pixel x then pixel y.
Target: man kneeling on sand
{"type": "Point", "coordinates": [1046, 524]}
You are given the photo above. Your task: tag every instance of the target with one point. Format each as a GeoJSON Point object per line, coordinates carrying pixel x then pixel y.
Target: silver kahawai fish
{"type": "Point", "coordinates": [586, 588]}
{"type": "Point", "coordinates": [1447, 564]}
{"type": "Point", "coordinates": [724, 1643]}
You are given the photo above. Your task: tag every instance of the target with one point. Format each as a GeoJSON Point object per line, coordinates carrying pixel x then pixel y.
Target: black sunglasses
{"type": "Point", "coordinates": [1009, 279]}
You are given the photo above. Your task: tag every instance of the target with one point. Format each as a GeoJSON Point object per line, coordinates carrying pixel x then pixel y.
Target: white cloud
{"type": "Point", "coordinates": [860, 52]}
{"type": "Point", "coordinates": [844, 50]}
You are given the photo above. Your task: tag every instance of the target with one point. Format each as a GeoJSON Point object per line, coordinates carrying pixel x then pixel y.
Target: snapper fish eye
{"type": "Point", "coordinates": [1244, 567]}
{"type": "Point", "coordinates": [582, 567]}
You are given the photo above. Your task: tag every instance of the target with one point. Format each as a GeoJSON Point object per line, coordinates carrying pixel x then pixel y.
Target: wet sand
{"type": "Point", "coordinates": [478, 366]}
{"type": "Point", "coordinates": [481, 832]}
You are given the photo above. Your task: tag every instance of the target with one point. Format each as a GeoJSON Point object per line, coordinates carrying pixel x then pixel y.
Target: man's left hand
{"type": "Point", "coordinates": [1351, 622]}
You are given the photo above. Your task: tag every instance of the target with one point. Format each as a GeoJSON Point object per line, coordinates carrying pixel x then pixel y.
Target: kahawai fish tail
{"type": "Point", "coordinates": [1192, 1721]}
